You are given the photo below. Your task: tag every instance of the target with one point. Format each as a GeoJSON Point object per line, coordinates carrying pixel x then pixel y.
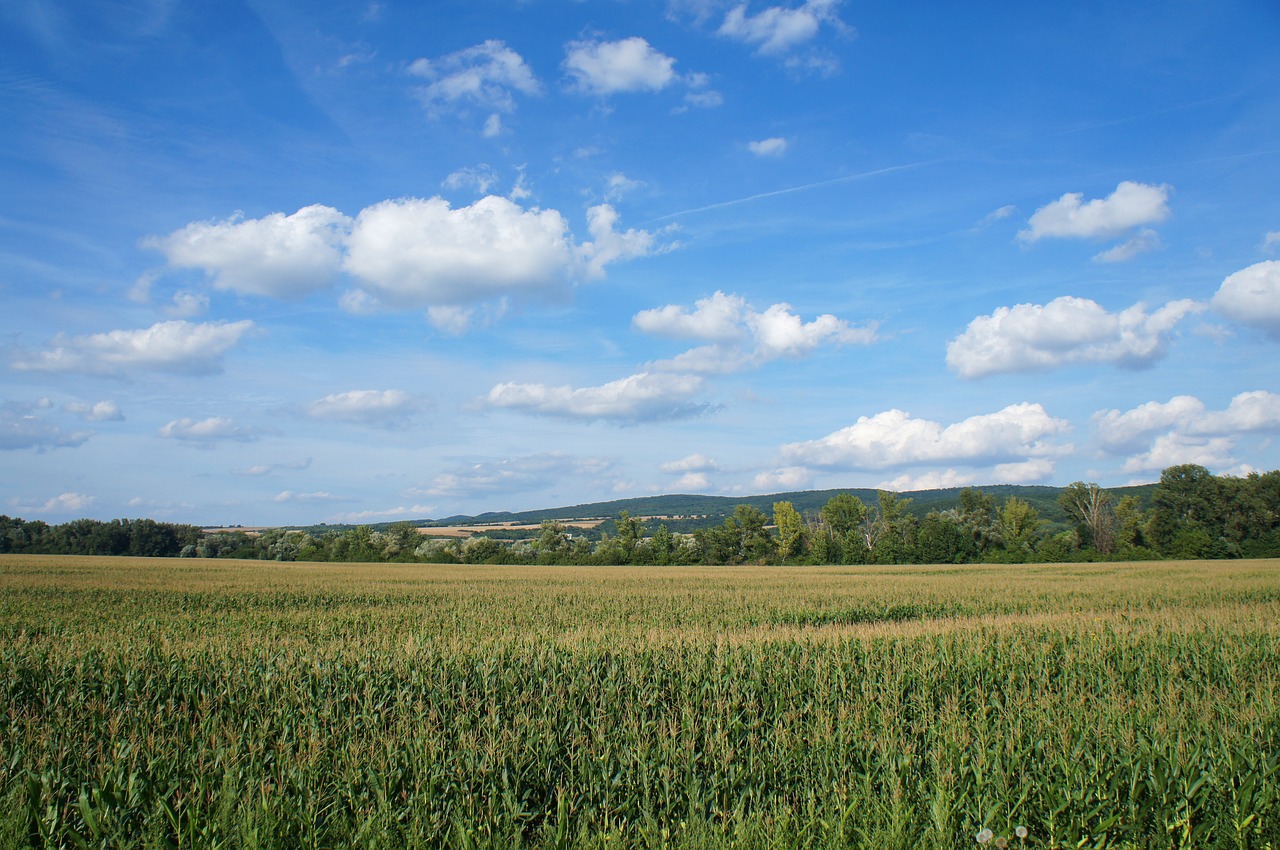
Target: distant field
{"type": "Point", "coordinates": [532, 527]}
{"type": "Point", "coordinates": [258, 704]}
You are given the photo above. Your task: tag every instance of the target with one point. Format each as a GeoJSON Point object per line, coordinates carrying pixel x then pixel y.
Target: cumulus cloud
{"type": "Point", "coordinates": [175, 346]}
{"type": "Point", "coordinates": [1175, 448]}
{"type": "Point", "coordinates": [1157, 435]}
{"type": "Point", "coordinates": [896, 439]}
{"type": "Point", "coordinates": [778, 29]}
{"type": "Point", "coordinates": [66, 503]}
{"type": "Point", "coordinates": [1125, 430]}
{"type": "Point", "coordinates": [768, 147]}
{"type": "Point", "coordinates": [22, 427]}
{"type": "Point", "coordinates": [186, 305]}
{"type": "Point", "coordinates": [278, 255]}
{"type": "Point", "coordinates": [364, 407]}
{"type": "Point", "coordinates": [410, 252]}
{"type": "Point", "coordinates": [690, 463]}
{"type": "Point", "coordinates": [691, 481]}
{"type": "Point", "coordinates": [512, 475]}
{"type": "Point", "coordinates": [1130, 205]}
{"type": "Point", "coordinates": [786, 478]}
{"type": "Point", "coordinates": [1251, 297]}
{"type": "Point", "coordinates": [485, 76]}
{"type": "Point", "coordinates": [628, 65]}
{"type": "Point", "coordinates": [102, 411]}
{"type": "Point", "coordinates": [205, 432]}
{"type": "Point", "coordinates": [637, 398]}
{"type": "Point", "coordinates": [1067, 330]}
{"type": "Point", "coordinates": [1023, 472]}
{"type": "Point", "coordinates": [415, 253]}
{"type": "Point", "coordinates": [608, 245]}
{"type": "Point", "coordinates": [740, 337]}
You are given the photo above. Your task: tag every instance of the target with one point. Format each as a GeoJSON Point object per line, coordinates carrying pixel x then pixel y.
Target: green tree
{"type": "Point", "coordinates": [893, 529]}
{"type": "Point", "coordinates": [976, 513]}
{"type": "Point", "coordinates": [791, 531]}
{"type": "Point", "coordinates": [942, 540]}
{"type": "Point", "coordinates": [1091, 507]}
{"type": "Point", "coordinates": [1019, 526]}
{"type": "Point", "coordinates": [1183, 501]}
{"type": "Point", "coordinates": [553, 542]}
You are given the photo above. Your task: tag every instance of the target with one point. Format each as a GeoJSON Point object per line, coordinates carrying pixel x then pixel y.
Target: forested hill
{"type": "Point", "coordinates": [697, 511]}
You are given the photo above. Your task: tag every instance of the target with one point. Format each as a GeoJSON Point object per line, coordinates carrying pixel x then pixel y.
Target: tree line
{"type": "Point", "coordinates": [1192, 514]}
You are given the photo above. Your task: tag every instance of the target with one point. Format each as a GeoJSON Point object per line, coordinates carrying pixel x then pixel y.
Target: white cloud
{"type": "Point", "coordinates": [102, 411]}
{"type": "Point", "coordinates": [67, 503]}
{"type": "Point", "coordinates": [994, 216]}
{"type": "Point", "coordinates": [492, 126]}
{"type": "Point", "coordinates": [718, 318]}
{"type": "Point", "coordinates": [1174, 449]}
{"type": "Point", "coordinates": [608, 245]}
{"type": "Point", "coordinates": [1145, 240]}
{"type": "Point", "coordinates": [290, 496]}
{"type": "Point", "coordinates": [21, 427]}
{"type": "Point", "coordinates": [207, 431]}
{"type": "Point", "coordinates": [1249, 412]}
{"type": "Point", "coordinates": [1251, 297]}
{"type": "Point", "coordinates": [618, 184]}
{"type": "Point", "coordinates": [401, 512]}
{"type": "Point", "coordinates": [365, 407]}
{"type": "Point", "coordinates": [173, 346]}
{"type": "Point", "coordinates": [414, 253]}
{"type": "Point", "coordinates": [278, 255]}
{"type": "Point", "coordinates": [1130, 205]}
{"type": "Point", "coordinates": [768, 147]}
{"type": "Point", "coordinates": [628, 65]}
{"type": "Point", "coordinates": [895, 439]}
{"type": "Point", "coordinates": [268, 469]}
{"type": "Point", "coordinates": [512, 475]}
{"type": "Point", "coordinates": [481, 178]}
{"type": "Point", "coordinates": [778, 29]}
{"type": "Point", "coordinates": [691, 482]}
{"type": "Point", "coordinates": [187, 305]}
{"type": "Point", "coordinates": [485, 76]}
{"type": "Point", "coordinates": [1158, 435]}
{"type": "Point", "coordinates": [691, 463]}
{"type": "Point", "coordinates": [1022, 472]}
{"type": "Point", "coordinates": [932, 480]}
{"type": "Point", "coordinates": [1271, 241]}
{"type": "Point", "coordinates": [740, 337]}
{"type": "Point", "coordinates": [1120, 431]}
{"type": "Point", "coordinates": [1030, 337]}
{"type": "Point", "coordinates": [636, 398]}
{"type": "Point", "coordinates": [785, 479]}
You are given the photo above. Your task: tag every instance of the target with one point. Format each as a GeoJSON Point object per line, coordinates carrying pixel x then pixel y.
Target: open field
{"type": "Point", "coordinates": [239, 704]}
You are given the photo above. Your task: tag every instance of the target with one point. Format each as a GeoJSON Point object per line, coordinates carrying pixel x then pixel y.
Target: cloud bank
{"type": "Point", "coordinates": [1067, 330]}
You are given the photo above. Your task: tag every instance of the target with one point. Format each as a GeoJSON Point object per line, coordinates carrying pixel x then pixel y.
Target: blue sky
{"type": "Point", "coordinates": [276, 263]}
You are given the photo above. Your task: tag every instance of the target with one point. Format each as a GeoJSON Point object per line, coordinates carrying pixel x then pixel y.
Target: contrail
{"type": "Point", "coordinates": [845, 179]}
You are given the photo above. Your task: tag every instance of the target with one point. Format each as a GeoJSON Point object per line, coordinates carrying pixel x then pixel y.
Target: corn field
{"type": "Point", "coordinates": [224, 704]}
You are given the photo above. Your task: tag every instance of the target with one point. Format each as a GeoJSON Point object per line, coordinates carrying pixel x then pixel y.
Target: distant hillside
{"type": "Point", "coordinates": [696, 511]}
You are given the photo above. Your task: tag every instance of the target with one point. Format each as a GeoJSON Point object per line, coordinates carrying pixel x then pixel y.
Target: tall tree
{"type": "Point", "coordinates": [1019, 525]}
{"type": "Point", "coordinates": [1090, 506]}
{"type": "Point", "coordinates": [791, 531]}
